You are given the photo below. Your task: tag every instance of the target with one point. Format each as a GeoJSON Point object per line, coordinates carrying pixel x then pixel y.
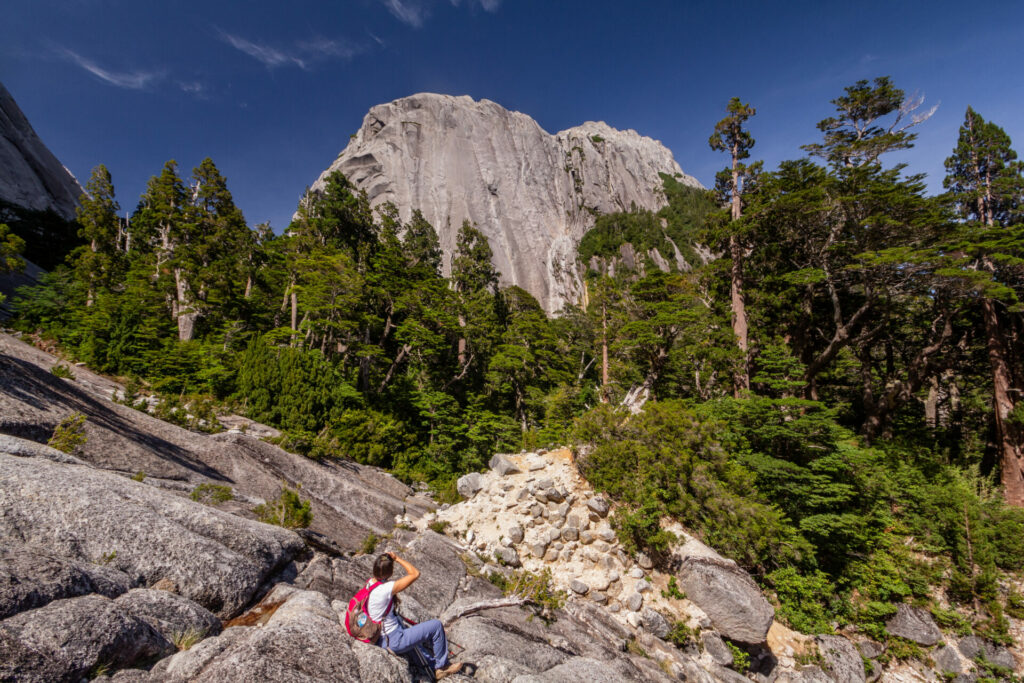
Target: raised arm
{"type": "Point", "coordinates": [411, 574]}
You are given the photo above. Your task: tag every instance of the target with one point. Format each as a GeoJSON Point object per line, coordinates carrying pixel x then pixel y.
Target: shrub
{"type": "Point", "coordinates": [438, 526]}
{"type": "Point", "coordinates": [212, 494]}
{"type": "Point", "coordinates": [183, 640]}
{"type": "Point", "coordinates": [740, 658]}
{"type": "Point", "coordinates": [673, 590]}
{"type": "Point", "coordinates": [69, 434]}
{"type": "Point", "coordinates": [61, 371]}
{"type": "Point", "coordinates": [680, 634]}
{"type": "Point", "coordinates": [139, 476]}
{"type": "Point", "coordinates": [287, 510]}
{"type": "Point", "coordinates": [804, 601]}
{"type": "Point", "coordinates": [369, 543]}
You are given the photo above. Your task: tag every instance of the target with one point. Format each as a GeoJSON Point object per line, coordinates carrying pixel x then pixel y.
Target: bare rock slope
{"type": "Point", "coordinates": [532, 193]}
{"type": "Point", "coordinates": [30, 175]}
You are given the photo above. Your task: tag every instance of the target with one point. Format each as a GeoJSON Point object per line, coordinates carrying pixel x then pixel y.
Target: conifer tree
{"type": "Point", "coordinates": [99, 260]}
{"type": "Point", "coordinates": [986, 182]}
{"type": "Point", "coordinates": [731, 183]}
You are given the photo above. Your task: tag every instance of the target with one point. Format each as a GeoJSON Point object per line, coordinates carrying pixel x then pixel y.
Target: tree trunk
{"type": "Point", "coordinates": [1008, 434]}
{"type": "Point", "coordinates": [604, 353]}
{"type": "Point", "coordinates": [741, 383]}
{"type": "Point", "coordinates": [185, 312]}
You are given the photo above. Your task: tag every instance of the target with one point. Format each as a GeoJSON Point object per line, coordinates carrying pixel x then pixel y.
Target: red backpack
{"type": "Point", "coordinates": [357, 619]}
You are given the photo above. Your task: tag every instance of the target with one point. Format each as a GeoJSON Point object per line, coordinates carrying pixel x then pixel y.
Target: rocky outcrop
{"type": "Point", "coordinates": [915, 624]}
{"type": "Point", "coordinates": [30, 175]}
{"type": "Point", "coordinates": [532, 194]}
{"type": "Point", "coordinates": [86, 515]}
{"type": "Point", "coordinates": [728, 596]}
{"type": "Point", "coordinates": [349, 500]}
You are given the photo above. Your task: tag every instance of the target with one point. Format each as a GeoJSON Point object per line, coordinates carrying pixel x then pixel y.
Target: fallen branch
{"type": "Point", "coordinates": [456, 612]}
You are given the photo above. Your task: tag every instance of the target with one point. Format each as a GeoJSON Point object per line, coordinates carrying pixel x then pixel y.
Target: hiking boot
{"type": "Point", "coordinates": [452, 668]}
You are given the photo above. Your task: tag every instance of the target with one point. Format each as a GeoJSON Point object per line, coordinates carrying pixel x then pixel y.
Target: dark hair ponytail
{"type": "Point", "coordinates": [383, 568]}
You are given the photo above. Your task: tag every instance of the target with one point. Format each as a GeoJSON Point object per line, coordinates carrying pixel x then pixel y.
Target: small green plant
{"type": "Point", "coordinates": [811, 656]}
{"type": "Point", "coordinates": [369, 543]}
{"type": "Point", "coordinates": [535, 590]}
{"type": "Point", "coordinates": [99, 669]}
{"type": "Point", "coordinates": [61, 371]}
{"type": "Point", "coordinates": [950, 620]}
{"type": "Point", "coordinates": [287, 510]}
{"type": "Point", "coordinates": [681, 635]}
{"type": "Point", "coordinates": [901, 649]}
{"type": "Point", "coordinates": [212, 494]}
{"type": "Point", "coordinates": [596, 139]}
{"type": "Point", "coordinates": [1015, 605]}
{"type": "Point", "coordinates": [139, 476]}
{"type": "Point", "coordinates": [740, 658]}
{"type": "Point", "coordinates": [992, 671]}
{"type": "Point", "coordinates": [673, 590]}
{"type": "Point", "coordinates": [499, 580]}
{"type": "Point", "coordinates": [184, 640]}
{"type": "Point", "coordinates": [634, 647]}
{"type": "Point", "coordinates": [107, 558]}
{"type": "Point", "coordinates": [438, 526]}
{"type": "Point", "coordinates": [69, 434]}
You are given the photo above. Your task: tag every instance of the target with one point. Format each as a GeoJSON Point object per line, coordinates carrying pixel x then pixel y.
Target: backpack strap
{"type": "Point", "coordinates": [387, 610]}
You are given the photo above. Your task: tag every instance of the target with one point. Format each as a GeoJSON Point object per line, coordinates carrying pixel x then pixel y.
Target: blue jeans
{"type": "Point", "coordinates": [405, 639]}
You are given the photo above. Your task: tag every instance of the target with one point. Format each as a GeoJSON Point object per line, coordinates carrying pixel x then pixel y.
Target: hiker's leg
{"type": "Point", "coordinates": [431, 634]}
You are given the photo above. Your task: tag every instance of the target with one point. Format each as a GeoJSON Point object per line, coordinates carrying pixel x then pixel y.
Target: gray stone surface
{"type": "Point", "coordinates": [915, 624]}
{"type": "Point", "coordinates": [599, 505]}
{"type": "Point", "coordinates": [529, 192]}
{"type": "Point", "coordinates": [579, 587]}
{"type": "Point", "coordinates": [31, 578]}
{"type": "Point", "coordinates": [65, 639]}
{"type": "Point", "coordinates": [842, 661]}
{"type": "Point", "coordinates": [654, 622]}
{"type": "Point", "coordinates": [469, 484]}
{"type": "Point", "coordinates": [30, 175]}
{"type": "Point", "coordinates": [508, 556]}
{"type": "Point", "coordinates": [972, 646]}
{"type": "Point", "coordinates": [502, 465]}
{"type": "Point", "coordinates": [947, 660]}
{"type": "Point", "coordinates": [516, 534]}
{"type": "Point", "coordinates": [172, 615]}
{"type": "Point", "coordinates": [870, 648]}
{"type": "Point", "coordinates": [728, 596]}
{"type": "Point", "coordinates": [716, 648]}
{"type": "Point", "coordinates": [215, 558]}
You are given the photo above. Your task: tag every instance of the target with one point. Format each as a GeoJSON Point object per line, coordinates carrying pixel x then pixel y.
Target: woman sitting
{"type": "Point", "coordinates": [381, 608]}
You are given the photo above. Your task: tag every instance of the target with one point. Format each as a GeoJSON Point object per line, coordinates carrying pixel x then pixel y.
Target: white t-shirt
{"type": "Point", "coordinates": [378, 602]}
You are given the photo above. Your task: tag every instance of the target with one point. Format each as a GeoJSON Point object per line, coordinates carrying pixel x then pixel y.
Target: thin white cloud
{"type": "Point", "coordinates": [194, 88]}
{"type": "Point", "coordinates": [133, 80]}
{"type": "Point", "coordinates": [488, 5]}
{"type": "Point", "coordinates": [322, 47]}
{"type": "Point", "coordinates": [411, 12]}
{"type": "Point", "coordinates": [269, 56]}
{"type": "Point", "coordinates": [376, 39]}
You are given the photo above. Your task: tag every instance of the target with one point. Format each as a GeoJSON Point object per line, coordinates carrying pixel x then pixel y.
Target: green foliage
{"type": "Point", "coordinates": [438, 526]}
{"type": "Point", "coordinates": [369, 543]}
{"type": "Point", "coordinates": [806, 602]}
{"type": "Point", "coordinates": [681, 635]}
{"type": "Point", "coordinates": [184, 640]}
{"type": "Point", "coordinates": [673, 591]}
{"type": "Point", "coordinates": [287, 510]}
{"type": "Point", "coordinates": [62, 371]}
{"type": "Point", "coordinates": [139, 476]}
{"type": "Point", "coordinates": [69, 434]}
{"type": "Point", "coordinates": [950, 620]}
{"type": "Point", "coordinates": [212, 494]}
{"type": "Point", "coordinates": [740, 658]}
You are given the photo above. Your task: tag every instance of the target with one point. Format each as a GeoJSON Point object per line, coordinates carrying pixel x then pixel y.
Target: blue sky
{"type": "Point", "coordinates": [271, 91]}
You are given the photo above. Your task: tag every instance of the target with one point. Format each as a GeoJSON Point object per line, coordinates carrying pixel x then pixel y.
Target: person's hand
{"type": "Point", "coordinates": [392, 555]}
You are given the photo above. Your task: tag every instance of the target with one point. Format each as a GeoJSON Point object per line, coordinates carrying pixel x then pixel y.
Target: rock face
{"type": "Point", "coordinates": [913, 623]}
{"type": "Point", "coordinates": [30, 175]}
{"type": "Point", "coordinates": [531, 193]}
{"type": "Point", "coordinates": [729, 597]}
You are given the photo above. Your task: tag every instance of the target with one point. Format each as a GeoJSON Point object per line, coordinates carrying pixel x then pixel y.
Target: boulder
{"type": "Point", "coordinates": [579, 587]}
{"type": "Point", "coordinates": [598, 505]}
{"type": "Point", "coordinates": [175, 617]}
{"type": "Point", "coordinates": [570, 533]}
{"type": "Point", "coordinates": [870, 649]}
{"type": "Point", "coordinates": [212, 557]}
{"type": "Point", "coordinates": [644, 561]}
{"type": "Point", "coordinates": [508, 556]}
{"type": "Point", "coordinates": [654, 622]}
{"type": "Point", "coordinates": [636, 573]}
{"type": "Point", "coordinates": [502, 465]}
{"type": "Point", "coordinates": [72, 636]}
{"type": "Point", "coordinates": [973, 646]}
{"type": "Point", "coordinates": [469, 484]}
{"type": "Point", "coordinates": [31, 578]}
{"type": "Point", "coordinates": [946, 660]}
{"type": "Point", "coordinates": [728, 596]}
{"type": "Point", "coordinates": [842, 660]}
{"type": "Point", "coordinates": [914, 624]}
{"type": "Point", "coordinates": [599, 597]}
{"type": "Point", "coordinates": [716, 648]}
{"type": "Point", "coordinates": [516, 534]}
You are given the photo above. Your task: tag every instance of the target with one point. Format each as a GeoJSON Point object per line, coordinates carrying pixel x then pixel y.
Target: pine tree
{"type": "Point", "coordinates": [731, 183]}
{"type": "Point", "coordinates": [987, 184]}
{"type": "Point", "coordinates": [99, 261]}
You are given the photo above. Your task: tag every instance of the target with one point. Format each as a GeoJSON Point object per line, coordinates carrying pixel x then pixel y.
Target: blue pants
{"type": "Point", "coordinates": [430, 633]}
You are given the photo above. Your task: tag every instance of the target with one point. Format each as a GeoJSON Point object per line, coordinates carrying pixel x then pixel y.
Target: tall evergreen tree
{"type": "Point", "coordinates": [99, 260]}
{"type": "Point", "coordinates": [987, 184]}
{"type": "Point", "coordinates": [731, 183]}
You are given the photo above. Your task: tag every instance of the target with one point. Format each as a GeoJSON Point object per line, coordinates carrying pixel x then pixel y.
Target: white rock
{"type": "Point", "coordinates": [530, 193]}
